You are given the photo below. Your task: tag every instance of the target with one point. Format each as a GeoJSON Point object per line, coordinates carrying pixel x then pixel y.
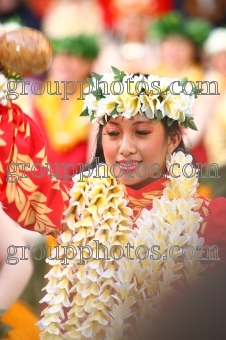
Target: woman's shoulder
{"type": "Point", "coordinates": [219, 203]}
{"type": "Point", "coordinates": [216, 207]}
{"type": "Point", "coordinates": [217, 213]}
{"type": "Point", "coordinates": [213, 226]}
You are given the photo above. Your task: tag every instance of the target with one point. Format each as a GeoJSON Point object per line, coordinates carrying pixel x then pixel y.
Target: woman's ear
{"type": "Point", "coordinates": [173, 142]}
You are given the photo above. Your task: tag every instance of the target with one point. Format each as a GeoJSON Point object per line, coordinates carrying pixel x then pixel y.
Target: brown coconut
{"type": "Point", "coordinates": [25, 51]}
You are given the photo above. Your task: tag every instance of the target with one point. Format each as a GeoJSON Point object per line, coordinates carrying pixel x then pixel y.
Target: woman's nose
{"type": "Point", "coordinates": [127, 146]}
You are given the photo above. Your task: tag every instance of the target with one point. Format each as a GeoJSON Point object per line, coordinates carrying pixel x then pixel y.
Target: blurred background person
{"type": "Point", "coordinates": [72, 17]}
{"type": "Point", "coordinates": [127, 45]}
{"type": "Point", "coordinates": [65, 131]}
{"type": "Point", "coordinates": [210, 110]}
{"type": "Point", "coordinates": [18, 11]}
{"type": "Point", "coordinates": [181, 41]}
{"type": "Point", "coordinates": [215, 134]}
{"type": "Point", "coordinates": [72, 27]}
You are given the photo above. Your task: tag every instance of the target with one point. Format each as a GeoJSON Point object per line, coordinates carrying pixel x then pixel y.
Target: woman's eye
{"type": "Point", "coordinates": [142, 132]}
{"type": "Point", "coordinates": [112, 133]}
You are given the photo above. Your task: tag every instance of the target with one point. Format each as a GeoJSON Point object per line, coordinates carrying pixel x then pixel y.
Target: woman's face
{"type": "Point", "coordinates": [136, 141]}
{"type": "Point", "coordinates": [132, 27]}
{"type": "Point", "coordinates": [67, 67]}
{"type": "Point", "coordinates": [177, 51]}
{"type": "Point", "coordinates": [218, 62]}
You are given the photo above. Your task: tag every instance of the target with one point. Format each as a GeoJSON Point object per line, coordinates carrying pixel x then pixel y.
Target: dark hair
{"type": "Point", "coordinates": [169, 131]}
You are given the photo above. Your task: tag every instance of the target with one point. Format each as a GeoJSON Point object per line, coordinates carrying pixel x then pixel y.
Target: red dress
{"type": "Point", "coordinates": [64, 163]}
{"type": "Point", "coordinates": [36, 200]}
{"type": "Point", "coordinates": [32, 198]}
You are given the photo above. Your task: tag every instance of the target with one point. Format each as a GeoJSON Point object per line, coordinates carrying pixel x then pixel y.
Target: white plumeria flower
{"type": "Point", "coordinates": [164, 84]}
{"type": "Point", "coordinates": [107, 78]}
{"type": "Point", "coordinates": [126, 114]}
{"type": "Point", "coordinates": [170, 106]}
{"type": "Point", "coordinates": [90, 102]}
{"type": "Point", "coordinates": [149, 103]}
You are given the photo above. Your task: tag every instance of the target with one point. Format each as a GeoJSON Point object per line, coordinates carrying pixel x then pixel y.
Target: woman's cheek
{"type": "Point", "coordinates": [109, 153]}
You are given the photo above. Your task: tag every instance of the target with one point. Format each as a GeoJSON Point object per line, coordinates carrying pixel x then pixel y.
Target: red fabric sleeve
{"type": "Point", "coordinates": [30, 195]}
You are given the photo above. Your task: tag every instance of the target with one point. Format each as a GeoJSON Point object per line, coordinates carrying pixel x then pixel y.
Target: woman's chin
{"type": "Point", "coordinates": [135, 182]}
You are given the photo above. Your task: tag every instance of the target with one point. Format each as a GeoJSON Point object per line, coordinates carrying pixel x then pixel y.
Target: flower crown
{"type": "Point", "coordinates": [173, 23]}
{"type": "Point", "coordinates": [83, 45]}
{"type": "Point", "coordinates": [119, 93]}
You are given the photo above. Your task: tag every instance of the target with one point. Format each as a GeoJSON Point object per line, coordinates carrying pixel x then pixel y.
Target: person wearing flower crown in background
{"type": "Point", "coordinates": [147, 198]}
{"type": "Point", "coordinates": [66, 133]}
{"type": "Point", "coordinates": [211, 109]}
{"type": "Point", "coordinates": [181, 41]}
{"type": "Point", "coordinates": [127, 45]}
{"type": "Point", "coordinates": [73, 28]}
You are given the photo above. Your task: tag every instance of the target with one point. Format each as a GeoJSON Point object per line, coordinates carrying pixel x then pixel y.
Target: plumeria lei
{"type": "Point", "coordinates": [104, 298]}
{"type": "Point", "coordinates": [119, 93]}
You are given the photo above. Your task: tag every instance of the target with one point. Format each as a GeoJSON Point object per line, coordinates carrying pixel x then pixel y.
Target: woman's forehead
{"type": "Point", "coordinates": [138, 118]}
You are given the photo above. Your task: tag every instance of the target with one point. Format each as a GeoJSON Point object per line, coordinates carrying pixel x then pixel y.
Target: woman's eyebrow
{"type": "Point", "coordinates": [115, 123]}
{"type": "Point", "coordinates": [144, 122]}
{"type": "Point", "coordinates": [135, 123]}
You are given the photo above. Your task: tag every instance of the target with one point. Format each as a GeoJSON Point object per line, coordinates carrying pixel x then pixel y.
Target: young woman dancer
{"type": "Point", "coordinates": [129, 231]}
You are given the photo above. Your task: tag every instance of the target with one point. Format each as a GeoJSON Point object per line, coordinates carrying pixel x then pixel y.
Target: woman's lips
{"type": "Point", "coordinates": [129, 165]}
